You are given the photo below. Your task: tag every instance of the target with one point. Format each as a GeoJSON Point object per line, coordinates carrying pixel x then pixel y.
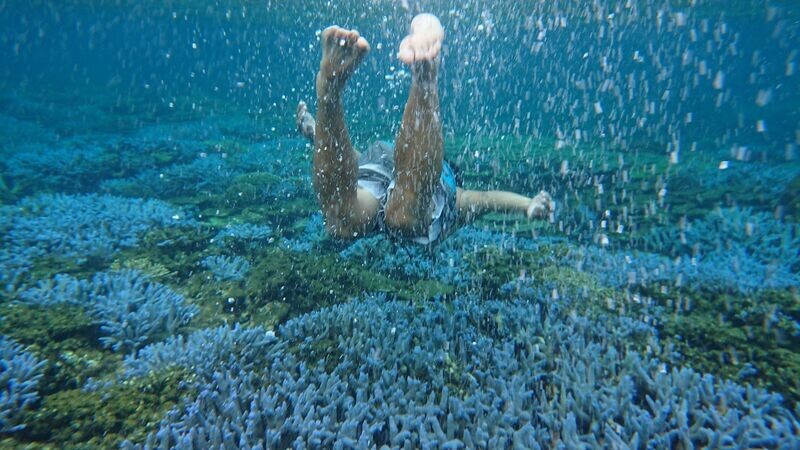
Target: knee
{"type": "Point", "coordinates": [399, 224]}
{"type": "Point", "coordinates": [336, 231]}
{"type": "Point", "coordinates": [341, 231]}
{"type": "Point", "coordinates": [346, 229]}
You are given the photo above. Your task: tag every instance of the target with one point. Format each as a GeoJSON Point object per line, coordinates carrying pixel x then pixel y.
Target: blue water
{"type": "Point", "coordinates": [167, 280]}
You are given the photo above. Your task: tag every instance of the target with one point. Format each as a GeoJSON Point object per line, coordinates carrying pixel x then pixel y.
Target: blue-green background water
{"type": "Point", "coordinates": [150, 163]}
{"type": "Point", "coordinates": [543, 64]}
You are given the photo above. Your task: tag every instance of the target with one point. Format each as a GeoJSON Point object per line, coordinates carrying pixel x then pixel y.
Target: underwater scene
{"type": "Point", "coordinates": [192, 256]}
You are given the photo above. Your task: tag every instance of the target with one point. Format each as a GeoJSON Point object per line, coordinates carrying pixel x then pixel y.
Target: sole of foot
{"type": "Point", "coordinates": [424, 41]}
{"type": "Point", "coordinates": [342, 51]}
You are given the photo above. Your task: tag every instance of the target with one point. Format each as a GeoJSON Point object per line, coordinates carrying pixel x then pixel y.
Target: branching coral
{"type": "Point", "coordinates": [471, 374]}
{"type": "Point", "coordinates": [78, 227]}
{"type": "Point", "coordinates": [227, 268]}
{"type": "Point", "coordinates": [20, 373]}
{"type": "Point", "coordinates": [130, 309]}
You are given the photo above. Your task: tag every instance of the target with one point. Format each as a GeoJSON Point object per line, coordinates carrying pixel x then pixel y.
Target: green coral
{"type": "Point", "coordinates": [720, 333]}
{"type": "Point", "coordinates": [283, 284]}
{"type": "Point", "coordinates": [791, 199]}
{"type": "Point", "coordinates": [144, 265]}
{"type": "Point", "coordinates": [76, 418]}
{"type": "Point", "coordinates": [64, 336]}
{"type": "Point", "coordinates": [68, 416]}
{"type": "Point", "coordinates": [304, 282]}
{"type": "Point", "coordinates": [250, 189]}
{"type": "Point", "coordinates": [175, 250]}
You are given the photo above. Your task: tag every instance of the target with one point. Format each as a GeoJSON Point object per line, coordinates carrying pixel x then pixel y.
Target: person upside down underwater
{"type": "Point", "coordinates": [408, 190]}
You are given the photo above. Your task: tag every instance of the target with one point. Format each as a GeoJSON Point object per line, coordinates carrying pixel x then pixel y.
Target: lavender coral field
{"type": "Point", "coordinates": [175, 272]}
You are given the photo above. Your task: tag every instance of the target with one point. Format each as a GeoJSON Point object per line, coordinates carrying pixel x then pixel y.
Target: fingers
{"type": "Point", "coordinates": [301, 110]}
{"type": "Point", "coordinates": [547, 200]}
{"type": "Point", "coordinates": [541, 206]}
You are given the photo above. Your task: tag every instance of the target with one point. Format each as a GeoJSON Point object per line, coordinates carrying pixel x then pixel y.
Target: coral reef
{"type": "Point", "coordinates": [473, 373]}
{"type": "Point", "coordinates": [102, 418]}
{"type": "Point", "coordinates": [133, 311]}
{"type": "Point", "coordinates": [733, 249]}
{"type": "Point", "coordinates": [204, 174]}
{"type": "Point", "coordinates": [227, 268]}
{"type": "Point", "coordinates": [20, 373]}
{"type": "Point", "coordinates": [166, 280]}
{"type": "Point", "coordinates": [242, 232]}
{"type": "Point", "coordinates": [207, 351]}
{"type": "Point", "coordinates": [77, 228]}
{"type": "Point", "coordinates": [452, 262]}
{"type": "Point", "coordinates": [312, 235]}
{"type": "Point", "coordinates": [130, 309]}
{"type": "Point", "coordinates": [82, 163]}
{"type": "Point", "coordinates": [750, 338]}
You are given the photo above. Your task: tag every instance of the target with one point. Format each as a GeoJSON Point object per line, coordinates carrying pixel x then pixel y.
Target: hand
{"type": "Point", "coordinates": [306, 125]}
{"type": "Point", "coordinates": [541, 206]}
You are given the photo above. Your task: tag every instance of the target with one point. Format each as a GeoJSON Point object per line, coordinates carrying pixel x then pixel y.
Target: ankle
{"type": "Point", "coordinates": [425, 72]}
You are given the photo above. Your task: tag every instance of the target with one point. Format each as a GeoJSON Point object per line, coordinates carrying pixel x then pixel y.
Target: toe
{"type": "Point", "coordinates": [406, 53]}
{"type": "Point", "coordinates": [362, 44]}
{"type": "Point", "coordinates": [340, 36]}
{"type": "Point", "coordinates": [437, 47]}
{"type": "Point", "coordinates": [425, 54]}
{"type": "Point", "coordinates": [432, 51]}
{"type": "Point", "coordinates": [329, 34]}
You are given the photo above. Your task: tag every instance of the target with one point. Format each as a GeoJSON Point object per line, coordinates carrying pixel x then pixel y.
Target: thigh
{"type": "Point", "coordinates": [353, 220]}
{"type": "Point", "coordinates": [367, 206]}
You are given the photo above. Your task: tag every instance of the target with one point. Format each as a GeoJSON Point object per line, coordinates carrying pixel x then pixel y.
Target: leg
{"type": "Point", "coordinates": [349, 212]}
{"type": "Point", "coordinates": [306, 124]}
{"type": "Point", "coordinates": [473, 204]}
{"type": "Point", "coordinates": [419, 149]}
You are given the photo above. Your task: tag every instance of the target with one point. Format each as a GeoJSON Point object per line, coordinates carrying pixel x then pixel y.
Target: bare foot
{"type": "Point", "coordinates": [306, 124]}
{"type": "Point", "coordinates": [541, 206]}
{"type": "Point", "coordinates": [420, 49]}
{"type": "Point", "coordinates": [342, 51]}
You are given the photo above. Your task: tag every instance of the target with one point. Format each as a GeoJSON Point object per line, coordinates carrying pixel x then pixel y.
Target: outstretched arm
{"type": "Point", "coordinates": [473, 204]}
